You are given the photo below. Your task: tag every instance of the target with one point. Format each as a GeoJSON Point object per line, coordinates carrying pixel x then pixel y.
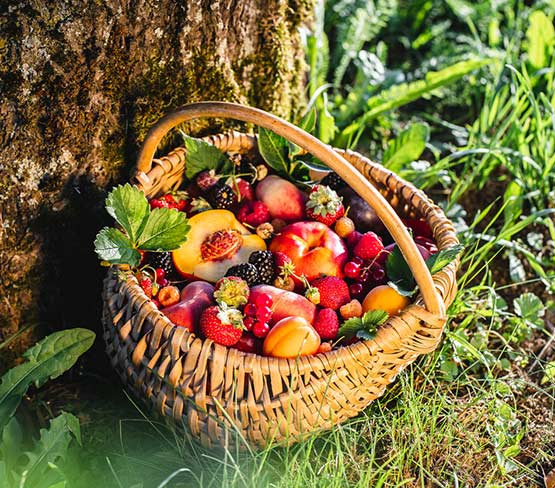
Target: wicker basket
{"type": "Point", "coordinates": [215, 390]}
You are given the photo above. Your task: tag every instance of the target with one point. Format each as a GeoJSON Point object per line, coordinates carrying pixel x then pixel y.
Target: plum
{"type": "Point", "coordinates": [360, 212]}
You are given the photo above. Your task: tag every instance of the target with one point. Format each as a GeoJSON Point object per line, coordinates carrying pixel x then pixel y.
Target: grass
{"type": "Point", "coordinates": [480, 410]}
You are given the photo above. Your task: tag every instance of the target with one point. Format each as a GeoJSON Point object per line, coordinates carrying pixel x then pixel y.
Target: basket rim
{"type": "Point", "coordinates": [415, 309]}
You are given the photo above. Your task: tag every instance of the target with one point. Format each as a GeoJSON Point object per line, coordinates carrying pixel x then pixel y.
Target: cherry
{"type": "Point", "coordinates": [355, 289]}
{"type": "Point", "coordinates": [378, 273]}
{"type": "Point", "coordinates": [357, 260]}
{"type": "Point", "coordinates": [351, 269]}
{"type": "Point", "coordinates": [260, 329]}
{"type": "Point", "coordinates": [263, 313]}
{"type": "Point", "coordinates": [248, 343]}
{"type": "Point", "coordinates": [250, 309]}
{"type": "Point", "coordinates": [248, 322]}
{"type": "Point", "coordinates": [264, 300]}
{"type": "Point", "coordinates": [160, 274]}
{"type": "Point", "coordinates": [364, 276]}
{"type": "Point", "coordinates": [163, 282]}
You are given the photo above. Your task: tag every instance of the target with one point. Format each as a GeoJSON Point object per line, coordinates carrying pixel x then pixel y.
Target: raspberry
{"type": "Point", "coordinates": [245, 189]}
{"type": "Point", "coordinates": [324, 348]}
{"type": "Point", "coordinates": [334, 292]}
{"type": "Point", "coordinates": [253, 213]}
{"type": "Point", "coordinates": [351, 309]}
{"type": "Point", "coordinates": [168, 295]}
{"type": "Point", "coordinates": [326, 323]}
{"type": "Point", "coordinates": [369, 246]}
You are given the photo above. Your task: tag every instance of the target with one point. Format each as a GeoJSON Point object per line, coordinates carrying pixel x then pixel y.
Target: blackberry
{"type": "Point", "coordinates": [164, 261]}
{"type": "Point", "coordinates": [333, 180]}
{"type": "Point", "coordinates": [264, 262]}
{"type": "Point", "coordinates": [221, 196]}
{"type": "Point", "coordinates": [246, 271]}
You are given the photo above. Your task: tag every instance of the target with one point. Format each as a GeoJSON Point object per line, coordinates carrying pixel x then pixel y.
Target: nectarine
{"type": "Point", "coordinates": [195, 297]}
{"type": "Point", "coordinates": [284, 303]}
{"type": "Point", "coordinates": [283, 199]}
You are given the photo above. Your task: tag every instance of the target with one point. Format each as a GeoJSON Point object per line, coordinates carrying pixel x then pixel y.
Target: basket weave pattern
{"type": "Point", "coordinates": [213, 389]}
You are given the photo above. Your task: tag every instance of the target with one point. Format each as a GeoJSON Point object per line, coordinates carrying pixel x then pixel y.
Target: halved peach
{"type": "Point", "coordinates": [216, 242]}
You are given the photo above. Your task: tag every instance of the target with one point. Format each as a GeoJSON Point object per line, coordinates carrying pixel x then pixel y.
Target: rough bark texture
{"type": "Point", "coordinates": [80, 84]}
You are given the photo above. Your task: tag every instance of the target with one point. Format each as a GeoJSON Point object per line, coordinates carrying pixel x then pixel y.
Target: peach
{"type": "Point", "coordinates": [291, 337]}
{"type": "Point", "coordinates": [193, 260]}
{"type": "Point", "coordinates": [384, 297]}
{"type": "Point", "coordinates": [195, 297]}
{"type": "Point", "coordinates": [314, 249]}
{"type": "Point", "coordinates": [283, 199]}
{"type": "Point", "coordinates": [285, 303]}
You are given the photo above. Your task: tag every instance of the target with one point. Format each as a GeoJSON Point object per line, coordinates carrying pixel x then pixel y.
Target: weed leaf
{"type": "Point", "coordinates": [406, 147]}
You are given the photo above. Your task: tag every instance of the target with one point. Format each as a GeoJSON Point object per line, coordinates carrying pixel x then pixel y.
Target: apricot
{"type": "Point", "coordinates": [291, 337]}
{"type": "Point", "coordinates": [384, 297]}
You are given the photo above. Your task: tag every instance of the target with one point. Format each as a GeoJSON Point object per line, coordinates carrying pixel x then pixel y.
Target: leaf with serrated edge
{"type": "Point", "coordinates": [47, 359]}
{"type": "Point", "coordinates": [203, 156]}
{"type": "Point", "coordinates": [129, 206]}
{"type": "Point", "coordinates": [166, 229]}
{"type": "Point", "coordinates": [113, 246]}
{"type": "Point", "coordinates": [436, 262]}
{"type": "Point", "coordinates": [368, 323]}
{"type": "Point", "coordinates": [272, 148]}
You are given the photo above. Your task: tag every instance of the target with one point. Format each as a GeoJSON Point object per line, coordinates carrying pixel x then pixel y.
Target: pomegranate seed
{"type": "Point", "coordinates": [260, 329]}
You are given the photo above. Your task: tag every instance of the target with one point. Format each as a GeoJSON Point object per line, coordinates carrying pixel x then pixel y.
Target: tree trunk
{"type": "Point", "coordinates": [81, 82]}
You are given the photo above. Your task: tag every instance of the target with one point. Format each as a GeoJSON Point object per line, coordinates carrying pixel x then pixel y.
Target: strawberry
{"type": "Point", "coordinates": [326, 323]}
{"type": "Point", "coordinates": [334, 292]}
{"type": "Point", "coordinates": [324, 205]}
{"type": "Point", "coordinates": [253, 213]}
{"type": "Point", "coordinates": [146, 285]}
{"type": "Point", "coordinates": [222, 324]}
{"type": "Point", "coordinates": [369, 246]}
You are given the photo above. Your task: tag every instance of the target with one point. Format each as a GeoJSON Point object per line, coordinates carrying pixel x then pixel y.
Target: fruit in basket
{"type": "Point", "coordinates": [324, 205]}
{"type": "Point", "coordinates": [232, 290]}
{"type": "Point", "coordinates": [244, 189]}
{"type": "Point", "coordinates": [360, 212]}
{"type": "Point", "coordinates": [344, 227]}
{"type": "Point", "coordinates": [384, 297]}
{"type": "Point", "coordinates": [291, 337]}
{"type": "Point", "coordinates": [369, 246]}
{"type": "Point", "coordinates": [326, 323]}
{"type": "Point", "coordinates": [221, 196]}
{"type": "Point", "coordinates": [313, 248]}
{"type": "Point", "coordinates": [284, 303]}
{"type": "Point", "coordinates": [249, 343]}
{"type": "Point", "coordinates": [194, 299]}
{"type": "Point", "coordinates": [168, 296]}
{"type": "Point", "coordinates": [221, 324]}
{"type": "Point", "coordinates": [351, 309]}
{"type": "Point", "coordinates": [162, 260]}
{"type": "Point", "coordinates": [207, 179]}
{"type": "Point", "coordinates": [216, 242]}
{"type": "Point", "coordinates": [264, 263]}
{"type": "Point", "coordinates": [334, 181]}
{"type": "Point", "coordinates": [334, 292]}
{"type": "Point", "coordinates": [246, 271]}
{"type": "Point", "coordinates": [283, 199]}
{"type": "Point", "coordinates": [253, 213]}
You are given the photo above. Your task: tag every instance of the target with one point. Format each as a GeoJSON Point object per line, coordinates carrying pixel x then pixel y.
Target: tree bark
{"type": "Point", "coordinates": [81, 82]}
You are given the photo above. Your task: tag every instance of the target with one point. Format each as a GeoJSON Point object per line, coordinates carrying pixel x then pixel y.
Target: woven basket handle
{"type": "Point", "coordinates": [321, 151]}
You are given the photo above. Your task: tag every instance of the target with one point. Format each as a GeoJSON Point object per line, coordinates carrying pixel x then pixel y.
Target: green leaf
{"type": "Point", "coordinates": [399, 273]}
{"type": "Point", "coordinates": [49, 358]}
{"type": "Point", "coordinates": [308, 122]}
{"type": "Point", "coordinates": [129, 206]}
{"type": "Point", "coordinates": [274, 150]}
{"type": "Point", "coordinates": [203, 156]}
{"type": "Point", "coordinates": [548, 373]}
{"type": "Point", "coordinates": [436, 262]}
{"type": "Point", "coordinates": [364, 327]}
{"type": "Point", "coordinates": [399, 95]}
{"type": "Point", "coordinates": [541, 38]}
{"type": "Point", "coordinates": [165, 230]}
{"type": "Point", "coordinates": [113, 246]}
{"type": "Point", "coordinates": [52, 447]}
{"type": "Point", "coordinates": [530, 308]}
{"type": "Point", "coordinates": [406, 147]}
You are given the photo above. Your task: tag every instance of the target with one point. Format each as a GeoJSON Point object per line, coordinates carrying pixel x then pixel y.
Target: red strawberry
{"type": "Point", "coordinates": [334, 292]}
{"type": "Point", "coordinates": [221, 324]}
{"type": "Point", "coordinates": [324, 205]}
{"type": "Point", "coordinates": [146, 285]}
{"type": "Point", "coordinates": [280, 259]}
{"type": "Point", "coordinates": [253, 213]}
{"type": "Point", "coordinates": [326, 323]}
{"type": "Point", "coordinates": [369, 246]}
{"type": "Point", "coordinates": [245, 189]}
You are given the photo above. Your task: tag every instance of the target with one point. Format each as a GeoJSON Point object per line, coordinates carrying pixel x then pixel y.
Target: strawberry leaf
{"type": "Point", "coordinates": [129, 206]}
{"type": "Point", "coordinates": [203, 156]}
{"type": "Point", "coordinates": [115, 247]}
{"type": "Point", "coordinates": [165, 230]}
{"type": "Point", "coordinates": [364, 327]}
{"type": "Point", "coordinates": [436, 262]}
